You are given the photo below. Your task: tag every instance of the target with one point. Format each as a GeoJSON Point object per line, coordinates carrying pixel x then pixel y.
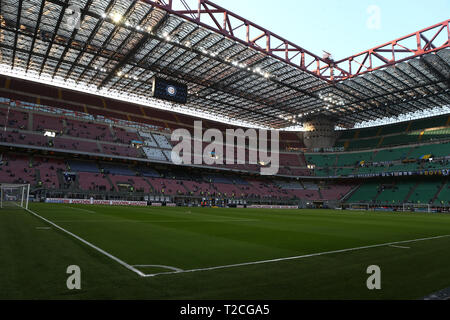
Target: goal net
{"type": "Point", "coordinates": [14, 195]}
{"type": "Point", "coordinates": [416, 207]}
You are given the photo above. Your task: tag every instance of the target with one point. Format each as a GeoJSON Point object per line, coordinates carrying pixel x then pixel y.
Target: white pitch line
{"type": "Point", "coordinates": [129, 267]}
{"type": "Point", "coordinates": [126, 265]}
{"type": "Point", "coordinates": [84, 210]}
{"type": "Point", "coordinates": [156, 221]}
{"type": "Point", "coordinates": [399, 247]}
{"type": "Point", "coordinates": [297, 257]}
{"type": "Point", "coordinates": [157, 266]}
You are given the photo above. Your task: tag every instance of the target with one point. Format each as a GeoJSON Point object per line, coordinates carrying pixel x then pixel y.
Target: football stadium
{"type": "Point", "coordinates": [118, 160]}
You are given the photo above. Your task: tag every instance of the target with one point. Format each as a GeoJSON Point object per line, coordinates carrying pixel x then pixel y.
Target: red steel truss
{"type": "Point", "coordinates": [231, 25]}
{"type": "Point", "coordinates": [414, 45]}
{"type": "Point", "coordinates": [220, 20]}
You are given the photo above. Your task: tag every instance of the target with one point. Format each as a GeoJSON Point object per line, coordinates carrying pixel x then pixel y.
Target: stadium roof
{"type": "Point", "coordinates": [235, 70]}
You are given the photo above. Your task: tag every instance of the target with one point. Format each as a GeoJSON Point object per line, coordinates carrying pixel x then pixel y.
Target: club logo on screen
{"type": "Point", "coordinates": [171, 91]}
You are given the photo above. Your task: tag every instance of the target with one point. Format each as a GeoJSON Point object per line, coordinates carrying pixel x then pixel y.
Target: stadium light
{"type": "Point", "coordinates": [116, 17]}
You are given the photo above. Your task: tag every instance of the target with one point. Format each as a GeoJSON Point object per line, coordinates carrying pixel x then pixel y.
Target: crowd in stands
{"type": "Point", "coordinates": [52, 173]}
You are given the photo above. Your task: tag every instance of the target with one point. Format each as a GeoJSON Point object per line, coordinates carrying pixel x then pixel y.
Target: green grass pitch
{"type": "Point", "coordinates": [34, 255]}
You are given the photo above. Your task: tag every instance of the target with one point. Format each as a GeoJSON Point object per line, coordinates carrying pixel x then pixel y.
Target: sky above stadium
{"type": "Point", "coordinates": [341, 27]}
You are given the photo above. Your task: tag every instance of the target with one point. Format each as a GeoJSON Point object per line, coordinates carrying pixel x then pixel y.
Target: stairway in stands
{"type": "Point", "coordinates": [411, 191]}
{"type": "Point", "coordinates": [436, 196]}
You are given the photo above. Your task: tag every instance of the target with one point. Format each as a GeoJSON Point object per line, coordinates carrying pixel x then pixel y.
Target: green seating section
{"type": "Point", "coordinates": [352, 159]}
{"type": "Point", "coordinates": [391, 155]}
{"type": "Point", "coordinates": [321, 160]}
{"type": "Point", "coordinates": [365, 193]}
{"type": "Point", "coordinates": [326, 172]}
{"type": "Point", "coordinates": [395, 195]}
{"type": "Point", "coordinates": [404, 167]}
{"type": "Point", "coordinates": [395, 128]}
{"type": "Point", "coordinates": [417, 131]}
{"type": "Point", "coordinates": [347, 134]}
{"type": "Point", "coordinates": [399, 140]}
{"type": "Point", "coordinates": [437, 165]}
{"type": "Point", "coordinates": [345, 171]}
{"type": "Point", "coordinates": [437, 150]}
{"type": "Point", "coordinates": [369, 132]}
{"type": "Point", "coordinates": [402, 192]}
{"type": "Point", "coordinates": [364, 144]}
{"type": "Point", "coordinates": [429, 123]}
{"type": "Point", "coordinates": [340, 143]}
{"type": "Point", "coordinates": [371, 170]}
{"type": "Point", "coordinates": [425, 192]}
{"type": "Point", "coordinates": [444, 196]}
{"type": "Point", "coordinates": [438, 134]}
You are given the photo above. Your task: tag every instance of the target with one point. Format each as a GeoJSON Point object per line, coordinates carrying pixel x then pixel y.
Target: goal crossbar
{"type": "Point", "coordinates": [413, 207]}
{"type": "Point", "coordinates": [14, 195]}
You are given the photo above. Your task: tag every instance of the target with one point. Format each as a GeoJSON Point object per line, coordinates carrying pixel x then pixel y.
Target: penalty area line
{"type": "Point", "coordinates": [121, 262]}
{"type": "Point", "coordinates": [158, 266]}
{"type": "Point", "coordinates": [298, 257]}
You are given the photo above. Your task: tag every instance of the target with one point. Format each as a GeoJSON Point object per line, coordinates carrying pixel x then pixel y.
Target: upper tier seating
{"type": "Point", "coordinates": [125, 136]}
{"type": "Point", "coordinates": [154, 154]}
{"type": "Point", "coordinates": [44, 122]}
{"type": "Point", "coordinates": [14, 119]}
{"type": "Point", "coordinates": [88, 130]}
{"type": "Point", "coordinates": [162, 141]}
{"type": "Point", "coordinates": [148, 139]}
{"type": "Point", "coordinates": [410, 132]}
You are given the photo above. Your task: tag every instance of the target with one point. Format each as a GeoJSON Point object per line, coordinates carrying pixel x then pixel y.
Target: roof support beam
{"type": "Point", "coordinates": [33, 41]}
{"type": "Point", "coordinates": [52, 41]}
{"type": "Point", "coordinates": [19, 14]}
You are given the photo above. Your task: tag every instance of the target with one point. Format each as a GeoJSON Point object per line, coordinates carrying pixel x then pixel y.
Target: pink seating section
{"type": "Point", "coordinates": [21, 169]}
{"type": "Point", "coordinates": [16, 119]}
{"type": "Point", "coordinates": [138, 183]}
{"type": "Point", "coordinates": [16, 169]}
{"type": "Point", "coordinates": [167, 186]}
{"type": "Point", "coordinates": [120, 150]}
{"type": "Point", "coordinates": [23, 138]}
{"type": "Point", "coordinates": [125, 137]}
{"type": "Point", "coordinates": [199, 188]}
{"type": "Point", "coordinates": [92, 181]}
{"type": "Point", "coordinates": [90, 137]}
{"type": "Point", "coordinates": [41, 123]}
{"type": "Point", "coordinates": [48, 170]}
{"type": "Point", "coordinates": [73, 144]}
{"type": "Point", "coordinates": [306, 194]}
{"type": "Point", "coordinates": [88, 130]}
{"type": "Point", "coordinates": [335, 192]}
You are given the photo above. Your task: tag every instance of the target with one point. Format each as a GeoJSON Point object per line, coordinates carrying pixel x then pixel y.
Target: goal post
{"type": "Point", "coordinates": [14, 195]}
{"type": "Point", "coordinates": [416, 207]}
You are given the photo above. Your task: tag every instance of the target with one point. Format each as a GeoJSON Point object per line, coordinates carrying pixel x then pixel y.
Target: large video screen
{"type": "Point", "coordinates": [169, 90]}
